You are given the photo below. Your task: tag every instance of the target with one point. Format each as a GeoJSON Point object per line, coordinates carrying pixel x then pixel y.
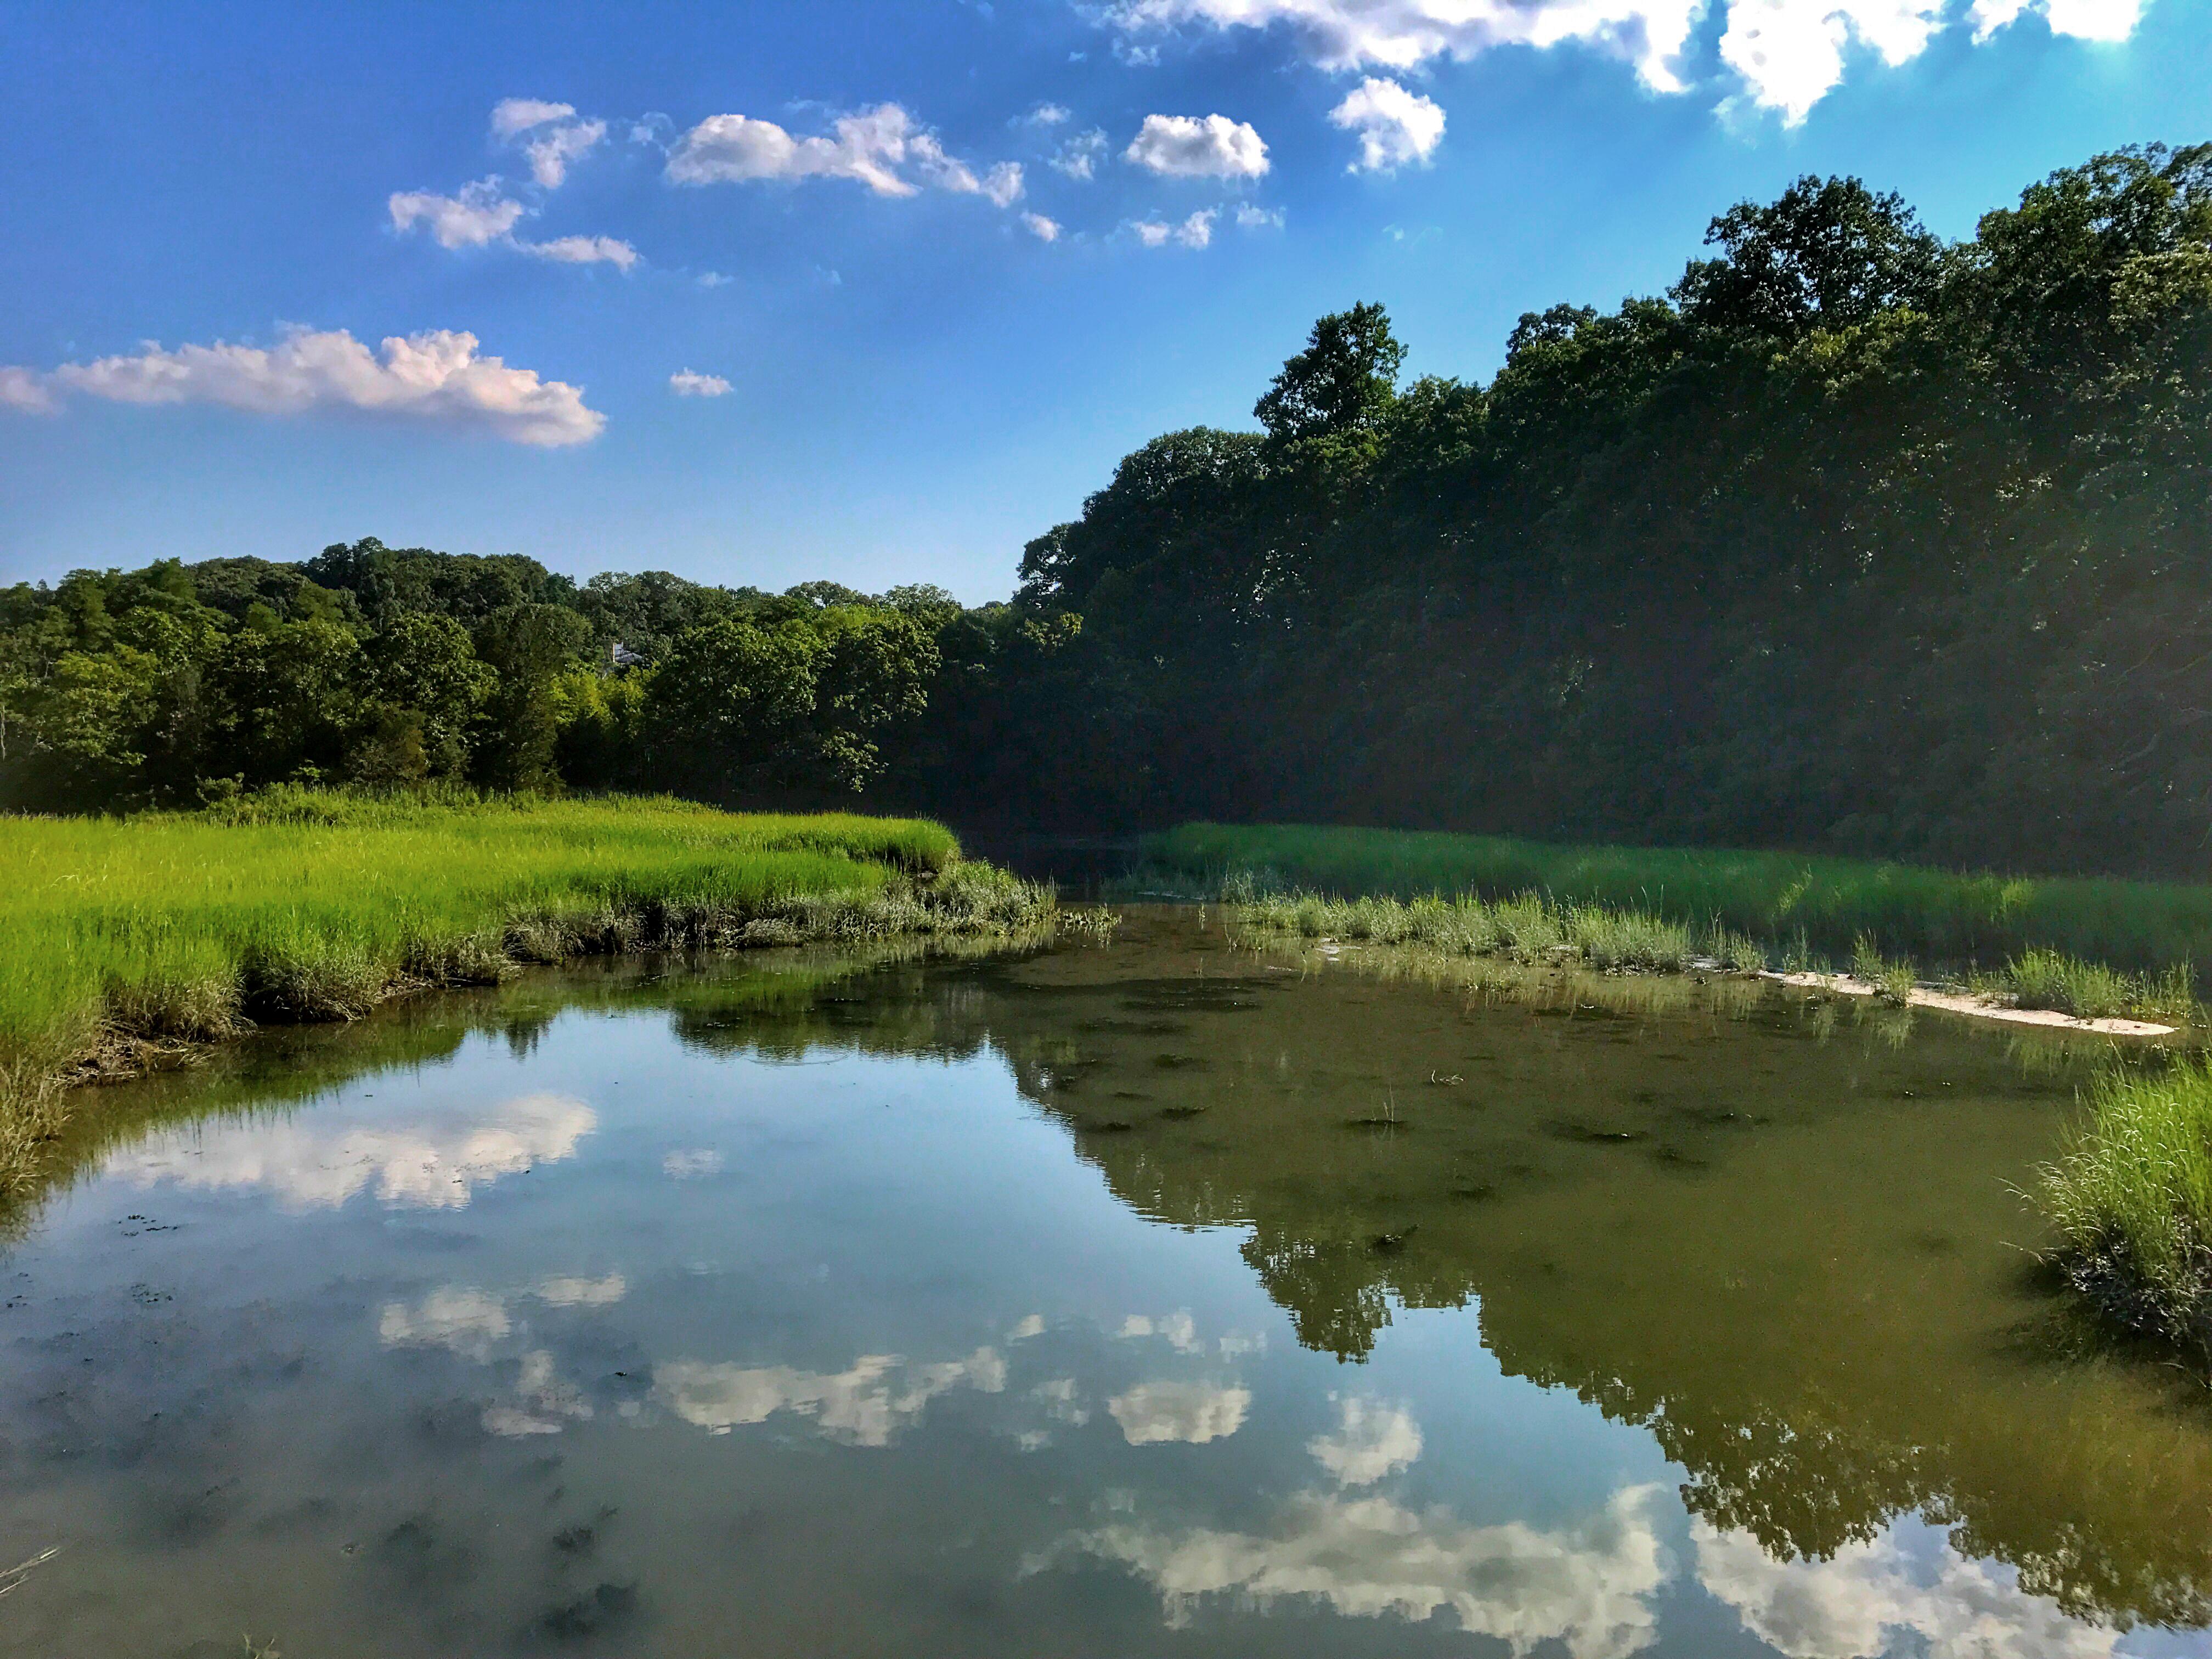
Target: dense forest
{"type": "Point", "coordinates": [1855, 539]}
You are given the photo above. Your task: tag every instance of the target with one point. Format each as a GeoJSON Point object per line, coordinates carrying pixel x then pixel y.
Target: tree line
{"type": "Point", "coordinates": [1855, 539]}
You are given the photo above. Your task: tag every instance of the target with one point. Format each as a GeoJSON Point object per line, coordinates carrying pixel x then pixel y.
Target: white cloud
{"type": "Point", "coordinates": [552, 152]}
{"type": "Point", "coordinates": [583, 1292]}
{"type": "Point", "coordinates": [689, 383]}
{"type": "Point", "coordinates": [1249, 218]}
{"type": "Point", "coordinates": [1196, 231]}
{"type": "Point", "coordinates": [24, 390]}
{"type": "Point", "coordinates": [1585, 1587]}
{"type": "Point", "coordinates": [482, 213]}
{"type": "Point", "coordinates": [2085, 20]}
{"type": "Point", "coordinates": [1029, 1326]}
{"type": "Point", "coordinates": [715, 279]}
{"type": "Point", "coordinates": [1371, 1441]}
{"type": "Point", "coordinates": [1787, 53]}
{"type": "Point", "coordinates": [864, 1405]}
{"type": "Point", "coordinates": [559, 137]}
{"type": "Point", "coordinates": [1045, 230]}
{"type": "Point", "coordinates": [584, 250]}
{"type": "Point", "coordinates": [883, 148]}
{"type": "Point", "coordinates": [1791, 52]}
{"type": "Point", "coordinates": [436, 1157]}
{"type": "Point", "coordinates": [1195, 147]}
{"type": "Point", "coordinates": [1049, 115]}
{"type": "Point", "coordinates": [546, 1400]}
{"type": "Point", "coordinates": [1866, 1596]}
{"type": "Point", "coordinates": [510, 116]}
{"type": "Point", "coordinates": [1394, 126]}
{"type": "Point", "coordinates": [1079, 156]}
{"type": "Point", "coordinates": [1402, 34]}
{"type": "Point", "coordinates": [1195, 1413]}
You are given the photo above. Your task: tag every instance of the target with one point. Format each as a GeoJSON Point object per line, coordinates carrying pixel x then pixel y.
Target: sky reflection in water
{"type": "Point", "coordinates": [635, 1337]}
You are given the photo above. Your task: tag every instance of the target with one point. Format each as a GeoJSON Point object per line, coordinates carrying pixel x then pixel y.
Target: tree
{"type": "Point", "coordinates": [1828, 254]}
{"type": "Point", "coordinates": [527, 645]}
{"type": "Point", "coordinates": [1343, 382]}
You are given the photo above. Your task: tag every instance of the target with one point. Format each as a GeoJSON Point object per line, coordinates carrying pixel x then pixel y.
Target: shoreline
{"type": "Point", "coordinates": [1972, 1006]}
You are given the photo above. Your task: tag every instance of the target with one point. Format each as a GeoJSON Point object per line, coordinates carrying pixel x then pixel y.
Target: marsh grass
{"type": "Point", "coordinates": [2131, 1200]}
{"type": "Point", "coordinates": [1934, 916]}
{"type": "Point", "coordinates": [123, 938]}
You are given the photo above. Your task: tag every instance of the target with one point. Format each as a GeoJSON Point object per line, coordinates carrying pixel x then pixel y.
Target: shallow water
{"type": "Point", "coordinates": [1153, 1298]}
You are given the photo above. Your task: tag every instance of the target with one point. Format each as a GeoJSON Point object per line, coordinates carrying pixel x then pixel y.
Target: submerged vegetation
{"type": "Point", "coordinates": [120, 937]}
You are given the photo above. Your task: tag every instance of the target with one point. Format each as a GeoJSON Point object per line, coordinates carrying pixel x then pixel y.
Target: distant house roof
{"type": "Point", "coordinates": [623, 657]}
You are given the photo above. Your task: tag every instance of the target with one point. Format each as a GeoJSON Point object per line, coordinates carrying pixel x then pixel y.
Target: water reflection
{"type": "Point", "coordinates": [1587, 1586]}
{"type": "Point", "coordinates": [434, 1160]}
{"type": "Point", "coordinates": [864, 1405]}
{"type": "Point", "coordinates": [1766, 1242]}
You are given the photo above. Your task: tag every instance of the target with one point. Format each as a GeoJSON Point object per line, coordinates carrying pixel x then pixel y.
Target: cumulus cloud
{"type": "Point", "coordinates": [1866, 1596]}
{"type": "Point", "coordinates": [1394, 126]}
{"type": "Point", "coordinates": [510, 116]}
{"type": "Point", "coordinates": [1585, 1587]}
{"type": "Point", "coordinates": [1049, 115]}
{"type": "Point", "coordinates": [1402, 34]}
{"type": "Point", "coordinates": [1371, 1441]}
{"type": "Point", "coordinates": [482, 213]}
{"type": "Point", "coordinates": [1079, 156]}
{"type": "Point", "coordinates": [690, 383]}
{"type": "Point", "coordinates": [865, 1405]}
{"type": "Point", "coordinates": [1194, 1413]}
{"type": "Point", "coordinates": [883, 148]}
{"type": "Point", "coordinates": [24, 390]}
{"type": "Point", "coordinates": [1787, 53]}
{"type": "Point", "coordinates": [584, 250]}
{"type": "Point", "coordinates": [1195, 147]}
{"type": "Point", "coordinates": [434, 1158]}
{"type": "Point", "coordinates": [2085, 20]}
{"type": "Point", "coordinates": [1196, 231]}
{"type": "Point", "coordinates": [1045, 230]}
{"type": "Point", "coordinates": [1251, 217]}
{"type": "Point", "coordinates": [556, 137]}
{"type": "Point", "coordinates": [689, 1163]}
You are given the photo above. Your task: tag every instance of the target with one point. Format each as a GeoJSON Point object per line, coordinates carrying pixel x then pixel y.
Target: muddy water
{"type": "Point", "coordinates": [1153, 1299]}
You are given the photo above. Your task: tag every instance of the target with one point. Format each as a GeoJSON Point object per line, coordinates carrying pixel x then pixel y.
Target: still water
{"type": "Point", "coordinates": [1153, 1298]}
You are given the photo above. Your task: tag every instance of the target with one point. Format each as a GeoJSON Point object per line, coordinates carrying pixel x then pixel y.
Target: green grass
{"type": "Point", "coordinates": [2132, 1200]}
{"type": "Point", "coordinates": [2144, 928]}
{"type": "Point", "coordinates": [173, 928]}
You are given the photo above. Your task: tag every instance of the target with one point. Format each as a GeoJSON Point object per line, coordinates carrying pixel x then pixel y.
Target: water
{"type": "Point", "coordinates": [1151, 1300]}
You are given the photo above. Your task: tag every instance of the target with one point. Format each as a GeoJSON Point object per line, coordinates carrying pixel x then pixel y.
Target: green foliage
{"type": "Point", "coordinates": [2132, 1200]}
{"type": "Point", "coordinates": [1802, 903]}
{"type": "Point", "coordinates": [311, 904]}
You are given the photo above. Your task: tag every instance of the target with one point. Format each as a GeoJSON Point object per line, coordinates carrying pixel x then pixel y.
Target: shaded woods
{"type": "Point", "coordinates": [1856, 540]}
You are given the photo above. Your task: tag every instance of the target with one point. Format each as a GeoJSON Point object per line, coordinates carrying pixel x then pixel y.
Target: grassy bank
{"type": "Point", "coordinates": [1838, 908]}
{"type": "Point", "coordinates": [118, 936]}
{"type": "Point", "coordinates": [2132, 1201]}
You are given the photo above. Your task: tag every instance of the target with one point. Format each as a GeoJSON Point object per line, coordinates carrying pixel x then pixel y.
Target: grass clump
{"type": "Point", "coordinates": [120, 938]}
{"type": "Point", "coordinates": [1527, 929]}
{"type": "Point", "coordinates": [2131, 1200]}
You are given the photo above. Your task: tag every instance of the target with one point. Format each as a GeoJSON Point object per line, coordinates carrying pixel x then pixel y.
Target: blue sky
{"type": "Point", "coordinates": [216, 216]}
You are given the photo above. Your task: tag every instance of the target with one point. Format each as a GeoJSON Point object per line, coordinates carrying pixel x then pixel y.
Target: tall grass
{"type": "Point", "coordinates": [2132, 1200]}
{"type": "Point", "coordinates": [1936, 915]}
{"type": "Point", "coordinates": [117, 933]}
